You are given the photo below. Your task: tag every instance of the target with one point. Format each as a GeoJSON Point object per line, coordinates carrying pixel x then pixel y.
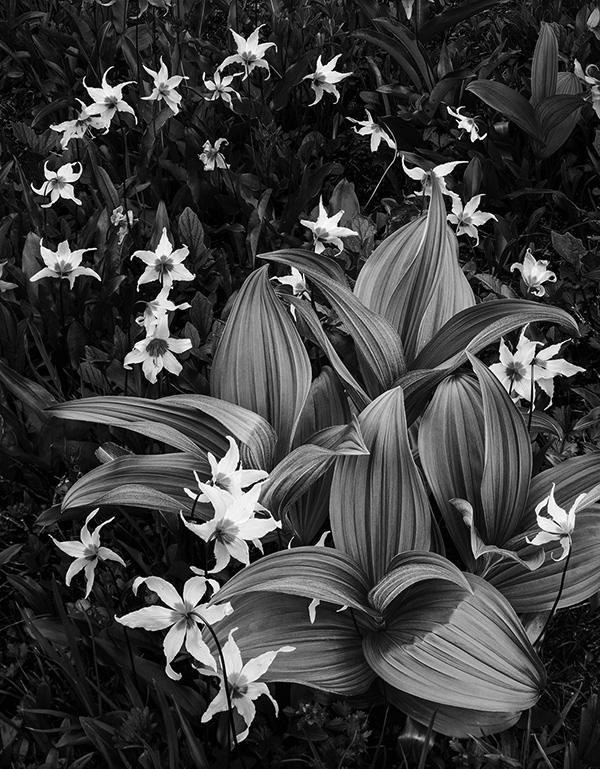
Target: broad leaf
{"type": "Point", "coordinates": [544, 66]}
{"type": "Point", "coordinates": [379, 505]}
{"type": "Point", "coordinates": [260, 362]}
{"type": "Point", "coordinates": [509, 103]}
{"type": "Point", "coordinates": [455, 648]}
{"type": "Point", "coordinates": [378, 345]}
{"type": "Point", "coordinates": [557, 134]}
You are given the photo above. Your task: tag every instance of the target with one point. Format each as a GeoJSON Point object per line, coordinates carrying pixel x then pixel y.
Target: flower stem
{"type": "Point", "coordinates": [540, 638]}
{"type": "Point", "coordinates": [383, 175]}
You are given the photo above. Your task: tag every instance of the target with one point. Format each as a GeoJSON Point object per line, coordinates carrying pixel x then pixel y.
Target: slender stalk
{"type": "Point", "coordinates": [556, 601]}
{"type": "Point", "coordinates": [381, 180]}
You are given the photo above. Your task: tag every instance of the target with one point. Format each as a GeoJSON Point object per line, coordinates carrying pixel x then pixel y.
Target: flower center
{"type": "Point", "coordinates": [91, 552]}
{"type": "Point", "coordinates": [225, 532]}
{"type": "Point", "coordinates": [63, 267]}
{"type": "Point", "coordinates": [516, 371]}
{"type": "Point", "coordinates": [156, 348]}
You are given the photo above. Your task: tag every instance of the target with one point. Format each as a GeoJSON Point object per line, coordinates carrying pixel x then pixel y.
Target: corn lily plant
{"type": "Point", "coordinates": [440, 639]}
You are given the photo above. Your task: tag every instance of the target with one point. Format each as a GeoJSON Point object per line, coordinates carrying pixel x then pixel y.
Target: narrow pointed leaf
{"type": "Point", "coordinates": [557, 133]}
{"type": "Point", "coordinates": [507, 461]}
{"type": "Point", "coordinates": [203, 420]}
{"type": "Point", "coordinates": [379, 505]}
{"type": "Point", "coordinates": [464, 650]}
{"type": "Point", "coordinates": [532, 591]}
{"type": "Point", "coordinates": [328, 654]}
{"type": "Point", "coordinates": [544, 66]}
{"type": "Point", "coordinates": [260, 362]}
{"type": "Point", "coordinates": [477, 327]}
{"type": "Point", "coordinates": [509, 103]}
{"type": "Point", "coordinates": [378, 345]}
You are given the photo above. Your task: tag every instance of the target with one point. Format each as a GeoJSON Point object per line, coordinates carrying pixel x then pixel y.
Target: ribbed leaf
{"type": "Point", "coordinates": [153, 481]}
{"type": "Point", "coordinates": [450, 17]}
{"type": "Point", "coordinates": [477, 327]}
{"type": "Point", "coordinates": [260, 362]}
{"type": "Point", "coordinates": [391, 47]}
{"type": "Point", "coordinates": [328, 654]}
{"type": "Point", "coordinates": [451, 450]}
{"type": "Point", "coordinates": [544, 66]}
{"type": "Point", "coordinates": [378, 345]}
{"type": "Point", "coordinates": [455, 722]}
{"type": "Point", "coordinates": [183, 421]}
{"type": "Point", "coordinates": [414, 280]}
{"type": "Point", "coordinates": [465, 650]}
{"type": "Point", "coordinates": [556, 134]}
{"type": "Point", "coordinates": [509, 103]}
{"type": "Point", "coordinates": [533, 591]}
{"type": "Point", "coordinates": [409, 569]}
{"type": "Point", "coordinates": [311, 572]}
{"type": "Point", "coordinates": [379, 505]}
{"type": "Point", "coordinates": [507, 463]}
{"type": "Point", "coordinates": [411, 45]}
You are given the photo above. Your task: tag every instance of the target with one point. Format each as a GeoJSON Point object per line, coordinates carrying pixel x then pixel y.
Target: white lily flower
{"type": "Point", "coordinates": [157, 308]}
{"type": "Point", "coordinates": [118, 219]}
{"type": "Point", "coordinates": [155, 352]}
{"type": "Point", "coordinates": [184, 616]}
{"type": "Point", "coordinates": [164, 264]}
{"type": "Point", "coordinates": [326, 231]}
{"type": "Point", "coordinates": [220, 88]}
{"type": "Point", "coordinates": [467, 218]}
{"type": "Point", "coordinates": [212, 157]}
{"type": "Point", "coordinates": [227, 474]}
{"type": "Point", "coordinates": [325, 78]}
{"type": "Point", "coordinates": [87, 552]}
{"type": "Point", "coordinates": [545, 369]}
{"type": "Point", "coordinates": [58, 184]}
{"type": "Point", "coordinates": [588, 77]}
{"type": "Point", "coordinates": [108, 100]}
{"type": "Point", "coordinates": [297, 282]}
{"type": "Point", "coordinates": [377, 132]}
{"type": "Point", "coordinates": [164, 87]}
{"type": "Point", "coordinates": [77, 128]}
{"type": "Point", "coordinates": [242, 681]}
{"type": "Point", "coordinates": [534, 273]}
{"type": "Point", "coordinates": [556, 524]}
{"type": "Point", "coordinates": [420, 175]}
{"type": "Point", "coordinates": [250, 53]}
{"type": "Point", "coordinates": [233, 524]}
{"type": "Point", "coordinates": [467, 124]}
{"type": "Point", "coordinates": [63, 263]}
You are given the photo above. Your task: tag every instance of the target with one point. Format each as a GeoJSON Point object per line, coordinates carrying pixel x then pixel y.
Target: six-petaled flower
{"type": "Point", "coordinates": [419, 174]}
{"type": "Point", "coordinates": [467, 218]}
{"type": "Point", "coordinates": [108, 100]}
{"type": "Point", "coordinates": [87, 552]}
{"type": "Point", "coordinates": [79, 127]}
{"type": "Point", "coordinates": [250, 53]}
{"type": "Point", "coordinates": [59, 184]}
{"type": "Point", "coordinates": [324, 79]}
{"type": "Point", "coordinates": [556, 524]}
{"type": "Point", "coordinates": [157, 308]}
{"type": "Point", "coordinates": [212, 157]}
{"type": "Point", "coordinates": [183, 615]}
{"type": "Point", "coordinates": [534, 273]}
{"type": "Point", "coordinates": [63, 263]}
{"type": "Point", "coordinates": [156, 352]}
{"type": "Point", "coordinates": [326, 231]}
{"type": "Point", "coordinates": [164, 264]}
{"type": "Point", "coordinates": [467, 124]}
{"type": "Point", "coordinates": [164, 87]}
{"type": "Point", "coordinates": [220, 88]}
{"type": "Point", "coordinates": [377, 132]}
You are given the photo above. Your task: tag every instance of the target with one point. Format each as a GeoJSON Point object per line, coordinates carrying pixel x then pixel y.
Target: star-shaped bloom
{"type": "Point", "coordinates": [184, 615]}
{"type": "Point", "coordinates": [233, 524]}
{"type": "Point", "coordinates": [297, 283]}
{"type": "Point", "coordinates": [58, 184]}
{"type": "Point", "coordinates": [108, 100]}
{"type": "Point", "coordinates": [227, 474]}
{"type": "Point", "coordinates": [326, 231]}
{"type": "Point", "coordinates": [5, 285]}
{"type": "Point", "coordinates": [545, 368]}
{"type": "Point", "coordinates": [63, 263]}
{"type": "Point", "coordinates": [78, 128]}
{"type": "Point", "coordinates": [467, 124]}
{"type": "Point", "coordinates": [212, 157]}
{"type": "Point", "coordinates": [420, 175]}
{"type": "Point", "coordinates": [250, 53]}
{"type": "Point", "coordinates": [590, 78]}
{"type": "Point", "coordinates": [164, 87]}
{"type": "Point", "coordinates": [556, 523]}
{"type": "Point", "coordinates": [242, 683]}
{"type": "Point", "coordinates": [534, 273]}
{"type": "Point", "coordinates": [468, 218]}
{"type": "Point", "coordinates": [157, 308]}
{"type": "Point", "coordinates": [87, 552]}
{"type": "Point", "coordinates": [155, 352]}
{"type": "Point", "coordinates": [164, 264]}
{"type": "Point", "coordinates": [220, 88]}
{"type": "Point", "coordinates": [375, 131]}
{"type": "Point", "coordinates": [324, 79]}
{"type": "Point", "coordinates": [515, 370]}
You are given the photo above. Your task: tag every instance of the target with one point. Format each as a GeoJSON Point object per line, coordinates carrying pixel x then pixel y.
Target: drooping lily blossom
{"type": "Point", "coordinates": [468, 124]}
{"type": "Point", "coordinates": [250, 53]}
{"type": "Point", "coordinates": [164, 87]}
{"type": "Point", "coordinates": [108, 100]}
{"type": "Point", "coordinates": [326, 230]}
{"type": "Point", "coordinates": [378, 133]}
{"type": "Point", "coordinates": [59, 184]}
{"type": "Point", "coordinates": [556, 524]}
{"type": "Point", "coordinates": [157, 351]}
{"type": "Point", "coordinates": [63, 263]}
{"type": "Point", "coordinates": [534, 273]}
{"type": "Point", "coordinates": [324, 79]}
{"type": "Point", "coordinates": [467, 218]}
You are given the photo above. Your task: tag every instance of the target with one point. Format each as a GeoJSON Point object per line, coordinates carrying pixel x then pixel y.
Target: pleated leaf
{"type": "Point", "coordinates": [192, 423]}
{"type": "Point", "coordinates": [452, 450]}
{"type": "Point", "coordinates": [414, 280]}
{"type": "Point", "coordinates": [311, 572]}
{"type": "Point", "coordinates": [153, 481]}
{"type": "Point", "coordinates": [328, 654]}
{"type": "Point", "coordinates": [544, 65]}
{"type": "Point", "coordinates": [460, 649]}
{"type": "Point", "coordinates": [507, 461]}
{"type": "Point", "coordinates": [379, 505]}
{"type": "Point", "coordinates": [378, 345]}
{"type": "Point", "coordinates": [260, 362]}
{"type": "Point", "coordinates": [556, 135]}
{"type": "Point", "coordinates": [533, 591]}
{"type": "Point", "coordinates": [477, 327]}
{"type": "Point", "coordinates": [507, 102]}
